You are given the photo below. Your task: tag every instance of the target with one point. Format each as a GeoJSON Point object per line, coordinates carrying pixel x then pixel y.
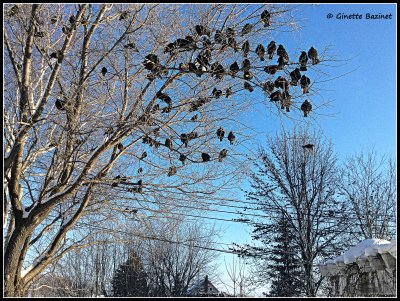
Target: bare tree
{"type": "Point", "coordinates": [106, 101]}
{"type": "Point", "coordinates": [369, 186]}
{"type": "Point", "coordinates": [302, 184]}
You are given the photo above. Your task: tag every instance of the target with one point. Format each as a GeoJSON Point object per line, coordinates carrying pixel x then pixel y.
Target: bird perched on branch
{"type": "Point", "coordinates": [194, 118]}
{"type": "Point", "coordinates": [271, 49]}
{"type": "Point", "coordinates": [247, 75]}
{"type": "Point", "coordinates": [201, 30]}
{"type": "Point", "coordinates": [306, 107]}
{"type": "Point", "coordinates": [234, 68]}
{"type": "Point", "coordinates": [281, 50]}
{"type": "Point", "coordinates": [184, 139]}
{"type": "Point", "coordinates": [313, 55]}
{"type": "Point", "coordinates": [123, 15]}
{"type": "Point", "coordinates": [286, 101]}
{"type": "Point", "coordinates": [228, 92]}
{"type": "Point", "coordinates": [268, 86]}
{"type": "Point", "coordinates": [246, 29]}
{"type": "Point", "coordinates": [265, 18]}
{"type": "Point", "coordinates": [246, 65]}
{"type": "Point", "coordinates": [271, 69]}
{"type": "Point", "coordinates": [216, 93]}
{"type": "Point", "coordinates": [222, 154]}
{"type": "Point", "coordinates": [276, 96]}
{"type": "Point", "coordinates": [303, 59]}
{"type": "Point", "coordinates": [171, 171]}
{"type": "Point", "coordinates": [182, 158]}
{"type": "Point", "coordinates": [280, 82]}
{"type": "Point", "coordinates": [61, 104]}
{"type": "Point", "coordinates": [283, 60]}
{"type": "Point", "coordinates": [305, 83]}
{"type": "Point", "coordinates": [246, 48]}
{"type": "Point", "coordinates": [131, 46]}
{"type": "Point", "coordinates": [260, 51]}
{"type": "Point", "coordinates": [120, 146]}
{"type": "Point", "coordinates": [104, 71]}
{"type": "Point", "coordinates": [218, 37]}
{"type": "Point", "coordinates": [205, 157]}
{"type": "Point", "coordinates": [168, 143]}
{"type": "Point", "coordinates": [249, 87]}
{"type": "Point", "coordinates": [233, 44]}
{"type": "Point", "coordinates": [144, 155]}
{"type": "Point", "coordinates": [231, 137]}
{"type": "Point", "coordinates": [151, 61]}
{"type": "Point", "coordinates": [220, 133]}
{"type": "Point", "coordinates": [295, 76]}
{"type": "Point", "coordinates": [309, 147]}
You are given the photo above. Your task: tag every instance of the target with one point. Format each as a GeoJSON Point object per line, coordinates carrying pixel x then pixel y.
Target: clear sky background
{"type": "Point", "coordinates": [362, 111]}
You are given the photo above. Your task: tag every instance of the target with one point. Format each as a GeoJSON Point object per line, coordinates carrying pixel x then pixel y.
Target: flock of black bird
{"type": "Point", "coordinates": [277, 90]}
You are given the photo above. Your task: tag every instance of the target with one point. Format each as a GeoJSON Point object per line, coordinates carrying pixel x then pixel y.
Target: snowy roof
{"type": "Point", "coordinates": [365, 250]}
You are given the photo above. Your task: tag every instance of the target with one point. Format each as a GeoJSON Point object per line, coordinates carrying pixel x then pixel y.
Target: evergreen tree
{"type": "Point", "coordinates": [130, 280]}
{"type": "Point", "coordinates": [285, 268]}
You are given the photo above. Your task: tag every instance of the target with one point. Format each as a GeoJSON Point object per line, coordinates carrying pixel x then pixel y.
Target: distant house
{"type": "Point", "coordinates": [365, 270]}
{"type": "Point", "coordinates": [204, 288]}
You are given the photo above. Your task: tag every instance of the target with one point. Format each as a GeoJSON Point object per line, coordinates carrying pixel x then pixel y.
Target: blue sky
{"type": "Point", "coordinates": [362, 111]}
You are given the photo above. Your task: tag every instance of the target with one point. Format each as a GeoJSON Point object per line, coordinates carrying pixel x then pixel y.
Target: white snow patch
{"type": "Point", "coordinates": [26, 271]}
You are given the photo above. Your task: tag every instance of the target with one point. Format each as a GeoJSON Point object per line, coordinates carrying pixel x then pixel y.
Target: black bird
{"type": "Point", "coordinates": [206, 157]}
{"type": "Point", "coordinates": [171, 171]}
{"type": "Point", "coordinates": [218, 70]}
{"type": "Point", "coordinates": [280, 82]}
{"type": "Point", "coordinates": [201, 30]}
{"type": "Point", "coordinates": [192, 67]}
{"type": "Point", "coordinates": [234, 68]}
{"type": "Point", "coordinates": [168, 143]}
{"type": "Point", "coordinates": [247, 86]}
{"type": "Point", "coordinates": [150, 62]}
{"type": "Point", "coordinates": [60, 104]}
{"type": "Point", "coordinates": [313, 55]}
{"type": "Point", "coordinates": [228, 92]}
{"type": "Point", "coordinates": [72, 19]}
{"type": "Point", "coordinates": [131, 46]}
{"type": "Point", "coordinates": [268, 86]}
{"type": "Point", "coordinates": [271, 69]}
{"type": "Point", "coordinates": [306, 107]}
{"type": "Point", "coordinates": [230, 32]}
{"type": "Point", "coordinates": [220, 133]}
{"type": "Point", "coordinates": [144, 155]}
{"type": "Point", "coordinates": [265, 18]}
{"type": "Point", "coordinates": [182, 158]}
{"type": "Point", "coordinates": [203, 59]}
{"type": "Point", "coordinates": [260, 51]}
{"type": "Point", "coordinates": [193, 135]}
{"type": "Point", "coordinates": [123, 15]}
{"type": "Point", "coordinates": [247, 75]}
{"type": "Point", "coordinates": [140, 170]}
{"type": "Point", "coordinates": [155, 109]}
{"type": "Point", "coordinates": [120, 146]}
{"type": "Point", "coordinates": [281, 50]}
{"type": "Point", "coordinates": [104, 71]}
{"type": "Point", "coordinates": [246, 65]}
{"type": "Point", "coordinates": [39, 34]}
{"type": "Point", "coordinates": [271, 49]}
{"type": "Point", "coordinates": [295, 75]}
{"type": "Point", "coordinates": [194, 118]}
{"type": "Point", "coordinates": [216, 93]}
{"type": "Point", "coordinates": [283, 60]}
{"type": "Point", "coordinates": [185, 139]}
{"type": "Point", "coordinates": [53, 19]}
{"type": "Point", "coordinates": [276, 96]}
{"type": "Point", "coordinates": [246, 48]}
{"type": "Point", "coordinates": [231, 137]}
{"type": "Point", "coordinates": [303, 61]}
{"type": "Point", "coordinates": [246, 29]}
{"type": "Point", "coordinates": [66, 30]}
{"type": "Point", "coordinates": [222, 154]}
{"type": "Point", "coordinates": [309, 147]}
{"type": "Point", "coordinates": [286, 101]}
{"type": "Point", "coordinates": [305, 83]}
{"type": "Point", "coordinates": [218, 37]}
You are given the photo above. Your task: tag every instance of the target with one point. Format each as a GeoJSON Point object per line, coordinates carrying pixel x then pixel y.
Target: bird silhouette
{"type": "Point", "coordinates": [247, 86]}
{"type": "Point", "coordinates": [246, 29]}
{"type": "Point", "coordinates": [39, 34]}
{"type": "Point", "coordinates": [104, 71]}
{"type": "Point", "coordinates": [131, 46]}
{"type": "Point", "coordinates": [140, 170]}
{"type": "Point", "coordinates": [303, 59]}
{"type": "Point", "coordinates": [120, 146]}
{"type": "Point", "coordinates": [295, 76]}
{"type": "Point", "coordinates": [216, 93]}
{"type": "Point", "coordinates": [218, 70]}
{"type": "Point", "coordinates": [271, 69]}
{"type": "Point", "coordinates": [305, 83]}
{"type": "Point", "coordinates": [123, 15]}
{"type": "Point", "coordinates": [182, 158]}
{"type": "Point", "coordinates": [309, 147]}
{"type": "Point", "coordinates": [60, 104]}
{"type": "Point", "coordinates": [228, 92]}
{"type": "Point", "coordinates": [271, 49]}
{"type": "Point", "coordinates": [313, 55]}
{"type": "Point", "coordinates": [53, 19]}
{"type": "Point", "coordinates": [184, 139]}
{"type": "Point", "coordinates": [222, 154]}
{"type": "Point", "coordinates": [281, 50]}
{"type": "Point", "coordinates": [233, 44]}
{"type": "Point", "coordinates": [260, 51]}
{"type": "Point", "coordinates": [205, 157]}
{"type": "Point", "coordinates": [220, 133]}
{"type": "Point", "coordinates": [230, 32]}
{"type": "Point", "coordinates": [283, 60]}
{"type": "Point", "coordinates": [276, 96]}
{"type": "Point", "coordinates": [268, 86]}
{"type": "Point", "coordinates": [171, 171]}
{"type": "Point", "coordinates": [201, 30]}
{"type": "Point", "coordinates": [280, 82]}
{"type": "Point", "coordinates": [247, 75]}
{"type": "Point", "coordinates": [306, 107]}
{"type": "Point", "coordinates": [168, 143]}
{"type": "Point", "coordinates": [66, 30]}
{"type": "Point", "coordinates": [218, 37]}
{"type": "Point", "coordinates": [286, 101]}
{"type": "Point", "coordinates": [151, 61]}
{"type": "Point", "coordinates": [246, 48]}
{"type": "Point", "coordinates": [72, 19]}
{"type": "Point", "coordinates": [246, 65]}
{"type": "Point", "coordinates": [231, 137]}
{"type": "Point", "coordinates": [265, 18]}
{"type": "Point", "coordinates": [194, 118]}
{"type": "Point", "coordinates": [234, 68]}
{"type": "Point", "coordinates": [144, 155]}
